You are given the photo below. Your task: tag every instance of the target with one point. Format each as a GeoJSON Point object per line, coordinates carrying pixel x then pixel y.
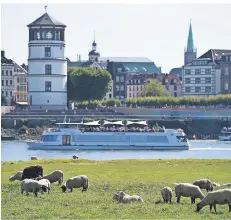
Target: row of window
{"type": "Point", "coordinates": [135, 81]}
{"type": "Point", "coordinates": [207, 80]}
{"type": "Point", "coordinates": [137, 94]}
{"type": "Point", "coordinates": [200, 63]}
{"type": "Point", "coordinates": [119, 78]}
{"type": "Point", "coordinates": [46, 35]}
{"type": "Point", "coordinates": [7, 82]}
{"type": "Point", "coordinates": [135, 88]}
{"type": "Point", "coordinates": [6, 93]}
{"type": "Point", "coordinates": [227, 58]}
{"type": "Point", "coordinates": [205, 89]}
{"type": "Point", "coordinates": [7, 72]}
{"type": "Point", "coordinates": [119, 88]}
{"type": "Point", "coordinates": [21, 88]}
{"type": "Point", "coordinates": [120, 97]}
{"type": "Point", "coordinates": [21, 79]}
{"type": "Point", "coordinates": [51, 138]}
{"type": "Point", "coordinates": [207, 71]}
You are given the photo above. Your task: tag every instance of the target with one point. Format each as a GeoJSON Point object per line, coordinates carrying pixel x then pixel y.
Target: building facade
{"type": "Point", "coordinates": [135, 84]}
{"type": "Point", "coordinates": [14, 81]}
{"type": "Point", "coordinates": [47, 65]}
{"type": "Point", "coordinates": [225, 66]}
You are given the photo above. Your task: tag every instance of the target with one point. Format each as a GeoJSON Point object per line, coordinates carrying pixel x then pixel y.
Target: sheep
{"type": "Point", "coordinates": [75, 157]}
{"type": "Point", "coordinates": [30, 185]}
{"type": "Point", "coordinates": [32, 172]}
{"type": "Point", "coordinates": [188, 190]}
{"type": "Point", "coordinates": [54, 176]}
{"type": "Point", "coordinates": [16, 176]}
{"type": "Point", "coordinates": [221, 197]}
{"type": "Point", "coordinates": [76, 182]}
{"type": "Point", "coordinates": [34, 158]}
{"type": "Point", "coordinates": [204, 184]}
{"type": "Point", "coordinates": [122, 197]}
{"type": "Point", "coordinates": [46, 183]}
{"type": "Point", "coordinates": [166, 193]}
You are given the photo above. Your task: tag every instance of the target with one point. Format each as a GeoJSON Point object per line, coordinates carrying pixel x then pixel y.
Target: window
{"type": "Point", "coordinates": [187, 72]}
{"type": "Point", "coordinates": [17, 79]}
{"type": "Point", "coordinates": [57, 35]}
{"type": "Point", "coordinates": [110, 96]}
{"type": "Point", "coordinates": [226, 87]}
{"type": "Point", "coordinates": [198, 80]}
{"type": "Point", "coordinates": [24, 88]}
{"type": "Point", "coordinates": [6, 93]}
{"type": "Point", "coordinates": [6, 72]}
{"type": "Point", "coordinates": [117, 97]}
{"type": "Point", "coordinates": [175, 94]}
{"type": "Point", "coordinates": [11, 82]}
{"type": "Point", "coordinates": [121, 88]}
{"type": "Point", "coordinates": [2, 92]}
{"type": "Point", "coordinates": [6, 82]}
{"type": "Point", "coordinates": [2, 82]}
{"type": "Point", "coordinates": [47, 52]}
{"type": "Point", "coordinates": [207, 79]}
{"type": "Point", "coordinates": [187, 89]}
{"type": "Point", "coordinates": [2, 72]}
{"type": "Point", "coordinates": [137, 88]}
{"type": "Point", "coordinates": [207, 71]}
{"type": "Point", "coordinates": [48, 86]}
{"type": "Point", "coordinates": [47, 35]}
{"type": "Point", "coordinates": [207, 89]}
{"type": "Point", "coordinates": [119, 70]}
{"type": "Point", "coordinates": [48, 69]}
{"type": "Point", "coordinates": [226, 71]}
{"type": "Point", "coordinates": [117, 78]}
{"type": "Point", "coordinates": [139, 81]}
{"type": "Point", "coordinates": [197, 71]}
{"type": "Point", "coordinates": [187, 81]}
{"type": "Point", "coordinates": [10, 93]}
{"type": "Point", "coordinates": [197, 89]}
{"type": "Point", "coordinates": [11, 72]}
{"type": "Point", "coordinates": [122, 79]}
{"type": "Point", "coordinates": [175, 87]}
{"type": "Point", "coordinates": [17, 88]}
{"type": "Point", "coordinates": [117, 88]}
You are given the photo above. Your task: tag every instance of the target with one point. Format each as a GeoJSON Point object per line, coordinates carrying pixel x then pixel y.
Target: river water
{"type": "Point", "coordinates": [208, 149]}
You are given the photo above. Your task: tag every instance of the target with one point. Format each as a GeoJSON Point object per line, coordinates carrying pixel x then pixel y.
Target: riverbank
{"type": "Point", "coordinates": [142, 177]}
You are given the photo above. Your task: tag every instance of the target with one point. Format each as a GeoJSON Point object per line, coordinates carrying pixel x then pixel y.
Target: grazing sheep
{"type": "Point", "coordinates": [125, 198]}
{"type": "Point", "coordinates": [16, 176]}
{"type": "Point", "coordinates": [204, 184]}
{"type": "Point", "coordinates": [75, 157]}
{"type": "Point", "coordinates": [32, 172]}
{"type": "Point", "coordinates": [188, 190]}
{"type": "Point", "coordinates": [54, 176]}
{"type": "Point", "coordinates": [221, 197]}
{"type": "Point", "coordinates": [46, 183]}
{"type": "Point", "coordinates": [76, 182]}
{"type": "Point", "coordinates": [30, 185]}
{"type": "Point", "coordinates": [166, 193]}
{"type": "Point", "coordinates": [34, 158]}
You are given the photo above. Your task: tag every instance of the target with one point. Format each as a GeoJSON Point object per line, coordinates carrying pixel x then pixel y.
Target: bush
{"type": "Point", "coordinates": [22, 130]}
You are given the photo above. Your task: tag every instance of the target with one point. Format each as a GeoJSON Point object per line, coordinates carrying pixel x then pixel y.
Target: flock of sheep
{"type": "Point", "coordinates": [32, 180]}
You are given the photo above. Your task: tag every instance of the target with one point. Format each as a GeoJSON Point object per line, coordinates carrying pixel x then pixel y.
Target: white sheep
{"type": "Point", "coordinates": [54, 176]}
{"type": "Point", "coordinates": [188, 190]}
{"type": "Point", "coordinates": [166, 193]}
{"type": "Point", "coordinates": [125, 198]}
{"type": "Point", "coordinates": [76, 182]}
{"type": "Point", "coordinates": [204, 184]}
{"type": "Point", "coordinates": [46, 183]}
{"type": "Point", "coordinates": [221, 197]}
{"type": "Point", "coordinates": [16, 176]}
{"type": "Point", "coordinates": [30, 185]}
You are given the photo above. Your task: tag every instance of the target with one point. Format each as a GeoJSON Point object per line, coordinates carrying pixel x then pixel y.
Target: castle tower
{"type": "Point", "coordinates": [93, 54]}
{"type": "Point", "coordinates": [47, 65]}
{"type": "Point", "coordinates": [190, 53]}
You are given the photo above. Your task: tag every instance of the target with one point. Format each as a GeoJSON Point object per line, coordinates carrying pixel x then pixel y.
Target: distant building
{"type": "Point", "coordinates": [202, 77]}
{"type": "Point", "coordinates": [47, 75]}
{"type": "Point", "coordinates": [225, 65]}
{"type": "Point", "coordinates": [14, 81]}
{"type": "Point", "coordinates": [135, 84]}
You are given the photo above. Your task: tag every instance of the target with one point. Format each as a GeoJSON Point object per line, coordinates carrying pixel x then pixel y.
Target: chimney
{"type": "Point", "coordinates": [2, 53]}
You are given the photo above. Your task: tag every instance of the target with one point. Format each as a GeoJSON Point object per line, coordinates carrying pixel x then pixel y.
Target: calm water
{"type": "Point", "coordinates": [209, 149]}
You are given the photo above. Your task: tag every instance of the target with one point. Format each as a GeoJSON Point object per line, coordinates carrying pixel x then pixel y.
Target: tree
{"type": "Point", "coordinates": [87, 84]}
{"type": "Point", "coordinates": [3, 100]}
{"type": "Point", "coordinates": [153, 88]}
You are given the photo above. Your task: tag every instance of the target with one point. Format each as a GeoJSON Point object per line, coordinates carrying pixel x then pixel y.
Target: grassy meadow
{"type": "Point", "coordinates": [141, 177]}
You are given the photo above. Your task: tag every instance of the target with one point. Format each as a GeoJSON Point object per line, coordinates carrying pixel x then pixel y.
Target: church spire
{"type": "Point", "coordinates": [190, 45]}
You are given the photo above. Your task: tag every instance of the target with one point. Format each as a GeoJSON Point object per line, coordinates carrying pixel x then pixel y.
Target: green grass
{"type": "Point", "coordinates": [142, 177]}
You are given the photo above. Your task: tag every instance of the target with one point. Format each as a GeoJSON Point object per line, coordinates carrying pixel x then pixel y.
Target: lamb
{"type": "Point", "coordinates": [204, 184]}
{"type": "Point", "coordinates": [46, 183]}
{"type": "Point", "coordinates": [76, 182]}
{"type": "Point", "coordinates": [54, 176]}
{"type": "Point", "coordinates": [188, 190]}
{"type": "Point", "coordinates": [166, 193]}
{"type": "Point", "coordinates": [32, 172]}
{"type": "Point", "coordinates": [125, 198]}
{"type": "Point", "coordinates": [30, 185]}
{"type": "Point", "coordinates": [16, 176]}
{"type": "Point", "coordinates": [221, 197]}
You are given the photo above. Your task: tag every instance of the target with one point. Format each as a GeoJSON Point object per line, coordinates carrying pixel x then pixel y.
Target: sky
{"type": "Point", "coordinates": [156, 31]}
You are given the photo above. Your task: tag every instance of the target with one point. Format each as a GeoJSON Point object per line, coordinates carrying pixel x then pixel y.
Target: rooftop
{"type": "Point", "coordinates": [46, 20]}
{"type": "Point", "coordinates": [215, 54]}
{"type": "Point", "coordinates": [127, 59]}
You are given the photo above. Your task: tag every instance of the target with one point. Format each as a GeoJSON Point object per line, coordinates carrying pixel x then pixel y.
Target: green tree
{"type": "Point", "coordinates": [3, 100]}
{"type": "Point", "coordinates": [87, 84]}
{"type": "Point", "coordinates": [154, 88]}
